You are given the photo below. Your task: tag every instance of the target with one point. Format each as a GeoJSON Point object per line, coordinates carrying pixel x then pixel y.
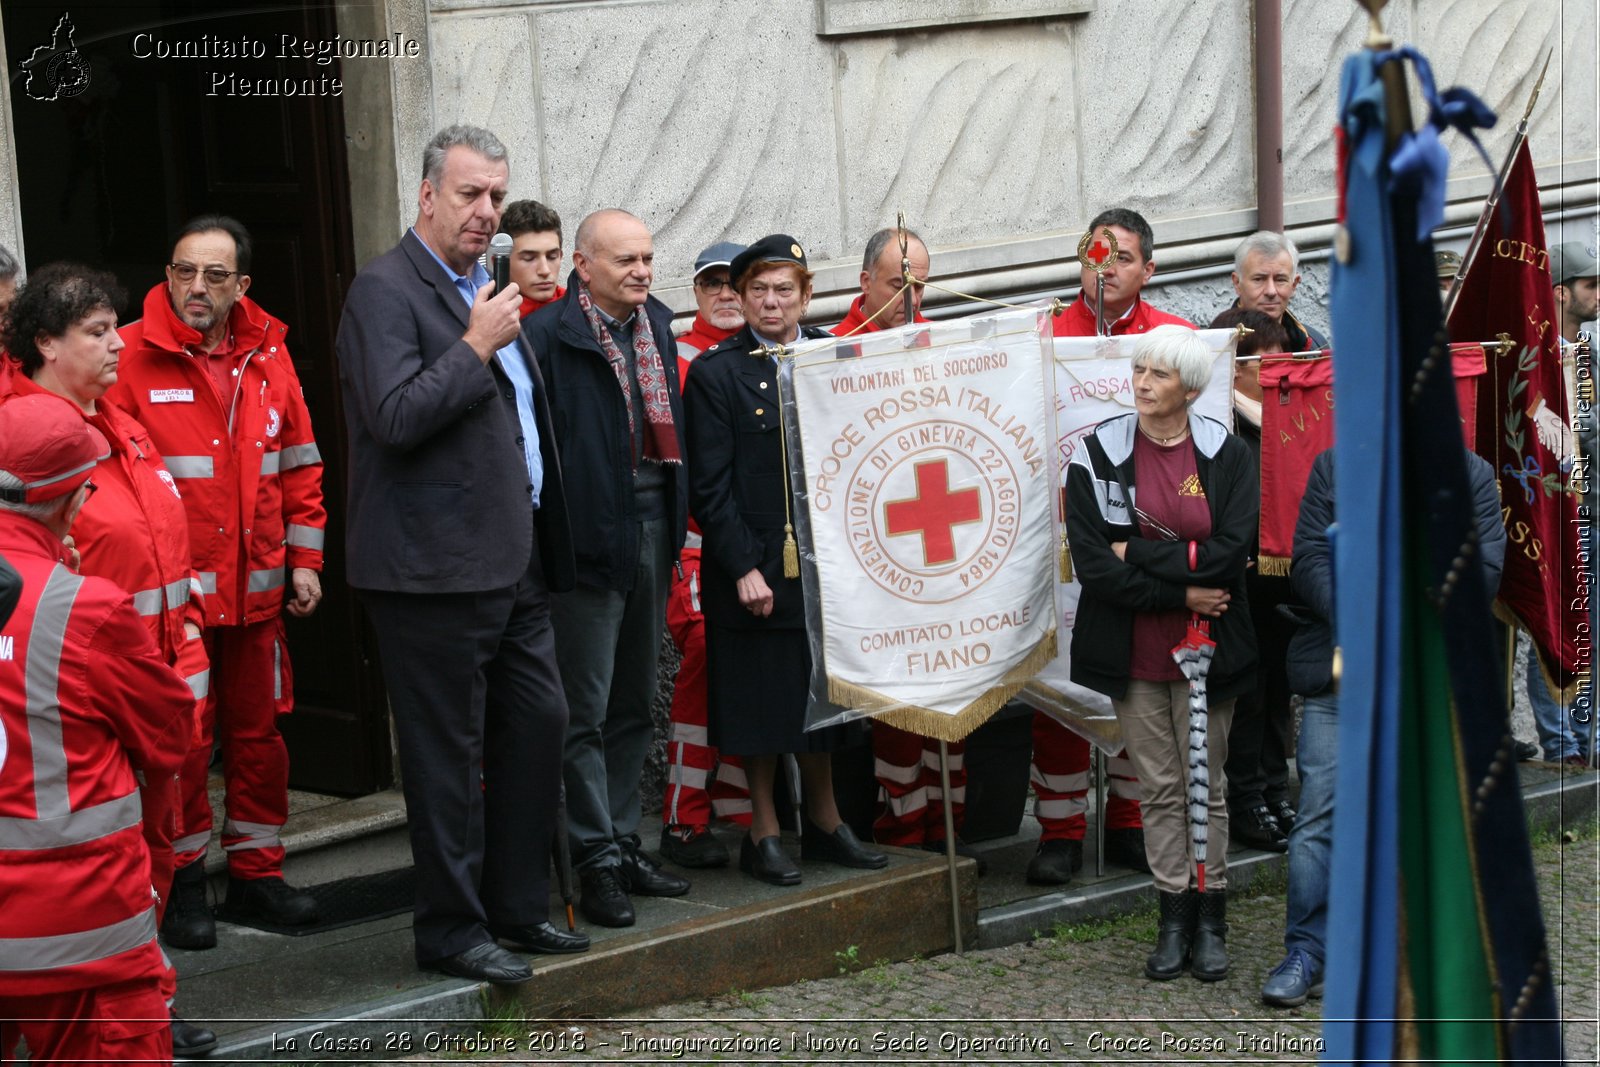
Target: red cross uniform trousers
{"type": "Point", "coordinates": [693, 795]}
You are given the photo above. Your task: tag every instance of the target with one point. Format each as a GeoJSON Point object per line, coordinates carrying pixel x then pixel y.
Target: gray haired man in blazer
{"type": "Point", "coordinates": [457, 535]}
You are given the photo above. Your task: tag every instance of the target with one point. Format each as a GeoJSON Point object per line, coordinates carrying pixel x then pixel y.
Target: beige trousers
{"type": "Point", "coordinates": [1155, 726]}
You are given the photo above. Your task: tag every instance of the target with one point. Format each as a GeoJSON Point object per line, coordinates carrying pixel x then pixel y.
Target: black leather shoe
{"type": "Point", "coordinates": [188, 922]}
{"type": "Point", "coordinates": [767, 861]}
{"type": "Point", "coordinates": [1526, 750]}
{"type": "Point", "coordinates": [1125, 848]}
{"type": "Point", "coordinates": [695, 847]}
{"type": "Point", "coordinates": [269, 900]}
{"type": "Point", "coordinates": [541, 937]}
{"type": "Point", "coordinates": [190, 1041]}
{"type": "Point", "coordinates": [842, 847]}
{"type": "Point", "coordinates": [486, 962]}
{"type": "Point", "coordinates": [643, 877]}
{"type": "Point", "coordinates": [1258, 829]}
{"type": "Point", "coordinates": [604, 901]}
{"type": "Point", "coordinates": [1055, 862]}
{"type": "Point", "coordinates": [964, 850]}
{"type": "Point", "coordinates": [1283, 814]}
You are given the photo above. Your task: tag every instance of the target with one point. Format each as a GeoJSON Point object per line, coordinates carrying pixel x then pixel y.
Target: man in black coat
{"type": "Point", "coordinates": [607, 355]}
{"type": "Point", "coordinates": [458, 534]}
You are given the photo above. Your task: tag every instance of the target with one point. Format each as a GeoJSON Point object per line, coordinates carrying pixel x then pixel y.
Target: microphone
{"type": "Point", "coordinates": [500, 261]}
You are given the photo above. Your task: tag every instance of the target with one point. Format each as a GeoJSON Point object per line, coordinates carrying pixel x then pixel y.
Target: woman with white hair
{"type": "Point", "coordinates": [1162, 509]}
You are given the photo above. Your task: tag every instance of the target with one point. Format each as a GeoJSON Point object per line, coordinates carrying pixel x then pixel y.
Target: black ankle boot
{"type": "Point", "coordinates": [1209, 961]}
{"type": "Point", "coordinates": [1171, 956]}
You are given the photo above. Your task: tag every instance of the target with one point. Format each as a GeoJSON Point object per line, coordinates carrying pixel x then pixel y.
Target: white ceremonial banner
{"type": "Point", "coordinates": [927, 517]}
{"type": "Point", "coordinates": [1093, 383]}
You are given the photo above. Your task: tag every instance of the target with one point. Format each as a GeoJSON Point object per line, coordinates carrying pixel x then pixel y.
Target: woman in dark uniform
{"type": "Point", "coordinates": [758, 663]}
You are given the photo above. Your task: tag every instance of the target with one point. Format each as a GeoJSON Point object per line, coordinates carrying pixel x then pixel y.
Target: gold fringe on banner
{"type": "Point", "coordinates": [1273, 566]}
{"type": "Point", "coordinates": [926, 722]}
{"type": "Point", "coordinates": [1066, 559]}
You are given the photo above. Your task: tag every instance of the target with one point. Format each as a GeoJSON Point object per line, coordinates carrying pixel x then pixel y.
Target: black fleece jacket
{"type": "Point", "coordinates": [1155, 574]}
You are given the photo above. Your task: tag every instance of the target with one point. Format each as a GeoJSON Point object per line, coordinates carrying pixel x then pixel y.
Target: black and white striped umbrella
{"type": "Point", "coordinates": [1193, 656]}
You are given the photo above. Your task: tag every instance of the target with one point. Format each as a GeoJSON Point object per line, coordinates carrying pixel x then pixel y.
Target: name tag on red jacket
{"type": "Point", "coordinates": [172, 396]}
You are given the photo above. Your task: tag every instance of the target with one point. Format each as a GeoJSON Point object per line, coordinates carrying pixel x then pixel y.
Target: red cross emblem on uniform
{"type": "Point", "coordinates": [934, 512]}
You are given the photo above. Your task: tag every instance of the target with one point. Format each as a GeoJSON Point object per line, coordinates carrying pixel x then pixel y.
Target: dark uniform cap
{"type": "Point", "coordinates": [1446, 263]}
{"type": "Point", "coordinates": [774, 248]}
{"type": "Point", "coordinates": [717, 255]}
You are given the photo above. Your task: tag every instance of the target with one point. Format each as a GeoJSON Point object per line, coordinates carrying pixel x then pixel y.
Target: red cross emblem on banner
{"type": "Point", "coordinates": [934, 512]}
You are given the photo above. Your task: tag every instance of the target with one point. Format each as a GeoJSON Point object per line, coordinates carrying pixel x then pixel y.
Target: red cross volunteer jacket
{"type": "Point", "coordinates": [246, 462]}
{"type": "Point", "coordinates": [1078, 320]}
{"type": "Point", "coordinates": [79, 909]}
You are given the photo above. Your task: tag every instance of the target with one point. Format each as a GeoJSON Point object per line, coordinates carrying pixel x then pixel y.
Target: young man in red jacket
{"type": "Point", "coordinates": [208, 373]}
{"type": "Point", "coordinates": [535, 232]}
{"type": "Point", "coordinates": [1060, 768]}
{"type": "Point", "coordinates": [881, 305]}
{"type": "Point", "coordinates": [88, 706]}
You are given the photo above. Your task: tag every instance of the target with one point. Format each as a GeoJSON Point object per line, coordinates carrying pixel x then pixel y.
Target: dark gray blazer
{"type": "Point", "coordinates": [438, 484]}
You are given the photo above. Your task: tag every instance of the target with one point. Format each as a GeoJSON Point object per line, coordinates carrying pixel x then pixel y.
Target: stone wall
{"type": "Point", "coordinates": [998, 126]}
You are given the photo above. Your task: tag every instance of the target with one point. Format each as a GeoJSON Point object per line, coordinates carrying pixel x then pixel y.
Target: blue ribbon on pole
{"type": "Point", "coordinates": [1420, 164]}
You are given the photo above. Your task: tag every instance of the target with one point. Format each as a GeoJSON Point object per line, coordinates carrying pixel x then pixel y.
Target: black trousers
{"type": "Point", "coordinates": [481, 719]}
{"type": "Point", "coordinates": [1262, 734]}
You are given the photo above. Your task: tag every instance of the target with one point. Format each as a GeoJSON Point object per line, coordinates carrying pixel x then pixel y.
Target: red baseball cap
{"type": "Point", "coordinates": [45, 442]}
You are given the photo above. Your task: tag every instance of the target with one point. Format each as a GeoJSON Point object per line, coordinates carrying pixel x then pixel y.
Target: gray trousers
{"type": "Point", "coordinates": [1154, 717]}
{"type": "Point", "coordinates": [607, 644]}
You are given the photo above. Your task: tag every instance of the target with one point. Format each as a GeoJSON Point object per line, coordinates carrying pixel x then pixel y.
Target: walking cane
{"type": "Point", "coordinates": [564, 856]}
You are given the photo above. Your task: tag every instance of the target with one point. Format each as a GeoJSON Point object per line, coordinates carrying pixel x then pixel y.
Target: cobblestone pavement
{"type": "Point", "coordinates": [1071, 995]}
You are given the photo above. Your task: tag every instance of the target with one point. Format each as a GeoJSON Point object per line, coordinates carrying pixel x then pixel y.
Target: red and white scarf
{"type": "Point", "coordinates": [660, 439]}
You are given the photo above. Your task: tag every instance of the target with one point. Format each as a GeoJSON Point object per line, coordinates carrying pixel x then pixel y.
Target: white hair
{"type": "Point", "coordinates": [1173, 347]}
{"type": "Point", "coordinates": [1269, 244]}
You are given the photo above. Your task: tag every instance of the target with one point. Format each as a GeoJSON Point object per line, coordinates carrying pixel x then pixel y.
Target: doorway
{"type": "Point", "coordinates": [119, 144]}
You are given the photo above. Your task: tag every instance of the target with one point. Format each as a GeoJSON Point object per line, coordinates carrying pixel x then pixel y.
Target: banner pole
{"type": "Point", "coordinates": [1511, 665]}
{"type": "Point", "coordinates": [1492, 201]}
{"type": "Point", "coordinates": [905, 268]}
{"type": "Point", "coordinates": [950, 846]}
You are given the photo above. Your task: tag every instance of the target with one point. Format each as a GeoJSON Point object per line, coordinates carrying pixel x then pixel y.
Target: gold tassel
{"type": "Point", "coordinates": [928, 723]}
{"type": "Point", "coordinates": [1066, 560]}
{"type": "Point", "coordinates": [1273, 566]}
{"type": "Point", "coordinates": [791, 553]}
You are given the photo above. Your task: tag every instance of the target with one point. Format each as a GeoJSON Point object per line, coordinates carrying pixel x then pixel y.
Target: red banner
{"type": "Point", "coordinates": [1470, 365]}
{"type": "Point", "coordinates": [1522, 418]}
{"type": "Point", "coordinates": [1296, 424]}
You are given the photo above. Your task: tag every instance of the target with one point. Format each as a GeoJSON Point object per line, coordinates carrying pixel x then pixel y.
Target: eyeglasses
{"type": "Point", "coordinates": [711, 285]}
{"type": "Point", "coordinates": [185, 272]}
